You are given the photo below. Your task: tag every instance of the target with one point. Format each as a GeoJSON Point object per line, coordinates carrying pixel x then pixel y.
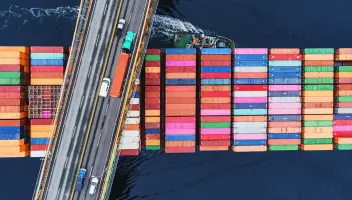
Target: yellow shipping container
{"type": "Point", "coordinates": [248, 148]}
{"type": "Point", "coordinates": [13, 54]}
{"type": "Point", "coordinates": [14, 61]}
{"type": "Point", "coordinates": [180, 75]}
{"type": "Point", "coordinates": [343, 57]}
{"type": "Point", "coordinates": [39, 134]}
{"type": "Point", "coordinates": [16, 149]}
{"type": "Point", "coordinates": [344, 74]}
{"type": "Point", "coordinates": [317, 117]}
{"type": "Point", "coordinates": [152, 142]}
{"type": "Point", "coordinates": [318, 57]}
{"type": "Point", "coordinates": [317, 135]}
{"type": "Point", "coordinates": [313, 147]}
{"type": "Point", "coordinates": [41, 128]}
{"type": "Point", "coordinates": [344, 92]}
{"type": "Point", "coordinates": [317, 111]}
{"type": "Point", "coordinates": [152, 69]}
{"type": "Point", "coordinates": [14, 154]}
{"type": "Point", "coordinates": [47, 81]}
{"type": "Point", "coordinates": [326, 93]}
{"type": "Point", "coordinates": [213, 148]}
{"type": "Point", "coordinates": [318, 99]}
{"type": "Point", "coordinates": [152, 112]}
{"type": "Point", "coordinates": [317, 129]}
{"type": "Point", "coordinates": [15, 48]}
{"type": "Point", "coordinates": [152, 119]}
{"type": "Point", "coordinates": [11, 143]}
{"type": "Point", "coordinates": [16, 115]}
{"type": "Point", "coordinates": [343, 140]}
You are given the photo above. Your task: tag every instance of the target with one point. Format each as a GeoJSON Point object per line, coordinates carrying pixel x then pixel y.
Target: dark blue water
{"type": "Point", "coordinates": [206, 175]}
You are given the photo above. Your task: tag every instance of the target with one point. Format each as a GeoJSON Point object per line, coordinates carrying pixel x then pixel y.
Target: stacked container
{"type": "Point", "coordinates": [249, 125]}
{"type": "Point", "coordinates": [343, 101]}
{"type": "Point", "coordinates": [180, 100]}
{"type": "Point", "coordinates": [130, 140]}
{"type": "Point", "coordinates": [47, 65]}
{"type": "Point", "coordinates": [285, 69]}
{"type": "Point", "coordinates": [152, 100]}
{"type": "Point", "coordinates": [14, 66]}
{"type": "Point", "coordinates": [40, 135]}
{"type": "Point", "coordinates": [215, 109]}
{"type": "Point", "coordinates": [318, 98]}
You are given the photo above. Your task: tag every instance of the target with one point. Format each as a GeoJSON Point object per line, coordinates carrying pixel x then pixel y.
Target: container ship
{"type": "Point", "coordinates": [195, 99]}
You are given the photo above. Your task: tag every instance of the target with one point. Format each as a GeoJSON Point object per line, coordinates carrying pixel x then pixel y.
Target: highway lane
{"type": "Point", "coordinates": [89, 69]}
{"type": "Point", "coordinates": [108, 109]}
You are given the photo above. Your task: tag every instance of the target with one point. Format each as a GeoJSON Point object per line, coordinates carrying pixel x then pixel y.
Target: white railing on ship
{"type": "Point", "coordinates": [76, 44]}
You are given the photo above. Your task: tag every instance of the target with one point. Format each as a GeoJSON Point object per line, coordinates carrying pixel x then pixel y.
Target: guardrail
{"type": "Point", "coordinates": [137, 66]}
{"type": "Point", "coordinates": [79, 33]}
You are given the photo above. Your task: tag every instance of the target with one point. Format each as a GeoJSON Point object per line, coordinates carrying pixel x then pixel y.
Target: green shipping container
{"type": "Point", "coordinates": [290, 147]}
{"type": "Point", "coordinates": [344, 68]}
{"type": "Point", "coordinates": [344, 99]}
{"type": "Point", "coordinates": [318, 69]}
{"type": "Point", "coordinates": [152, 147]}
{"type": "Point", "coordinates": [318, 80]}
{"type": "Point", "coordinates": [343, 146]}
{"type": "Point", "coordinates": [152, 57]}
{"type": "Point", "coordinates": [318, 87]}
{"type": "Point", "coordinates": [12, 74]}
{"type": "Point", "coordinates": [317, 141]}
{"type": "Point", "coordinates": [215, 125]}
{"type": "Point", "coordinates": [7, 81]}
{"type": "Point", "coordinates": [323, 123]}
{"type": "Point", "coordinates": [319, 51]}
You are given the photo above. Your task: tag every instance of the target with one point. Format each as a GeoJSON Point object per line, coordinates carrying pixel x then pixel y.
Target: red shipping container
{"type": "Point", "coordinates": [42, 121]}
{"type": "Point", "coordinates": [47, 49]}
{"type": "Point", "coordinates": [135, 107]}
{"type": "Point", "coordinates": [152, 63]}
{"type": "Point", "coordinates": [216, 106]}
{"type": "Point", "coordinates": [152, 82]}
{"type": "Point", "coordinates": [152, 101]}
{"type": "Point", "coordinates": [215, 142]}
{"type": "Point", "coordinates": [344, 87]}
{"type": "Point", "coordinates": [285, 57]}
{"type": "Point", "coordinates": [153, 51]}
{"type": "Point", "coordinates": [215, 94]}
{"type": "Point", "coordinates": [48, 75]}
{"type": "Point", "coordinates": [215, 119]}
{"type": "Point", "coordinates": [180, 89]}
{"type": "Point", "coordinates": [342, 133]}
{"type": "Point", "coordinates": [180, 119]}
{"type": "Point", "coordinates": [250, 75]}
{"type": "Point", "coordinates": [152, 125]}
{"type": "Point", "coordinates": [152, 136]}
{"type": "Point", "coordinates": [180, 149]}
{"type": "Point", "coordinates": [129, 152]}
{"type": "Point", "coordinates": [152, 107]}
{"type": "Point", "coordinates": [249, 88]}
{"type": "Point", "coordinates": [207, 137]}
{"type": "Point", "coordinates": [152, 76]}
{"type": "Point", "coordinates": [13, 68]}
{"type": "Point", "coordinates": [180, 69]}
{"type": "Point", "coordinates": [11, 89]}
{"type": "Point", "coordinates": [152, 94]}
{"type": "Point", "coordinates": [184, 100]}
{"type": "Point", "coordinates": [347, 63]}
{"type": "Point", "coordinates": [215, 63]}
{"type": "Point", "coordinates": [343, 105]}
{"type": "Point", "coordinates": [152, 89]}
{"type": "Point", "coordinates": [318, 105]}
{"type": "Point", "coordinates": [215, 75]}
{"type": "Point", "coordinates": [318, 63]}
{"type": "Point", "coordinates": [342, 122]}
{"type": "Point", "coordinates": [12, 102]}
{"type": "Point", "coordinates": [14, 122]}
{"type": "Point", "coordinates": [47, 69]}
{"type": "Point", "coordinates": [38, 147]}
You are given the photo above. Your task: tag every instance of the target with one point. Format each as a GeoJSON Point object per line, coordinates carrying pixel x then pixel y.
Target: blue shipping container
{"type": "Point", "coordinates": [284, 118]}
{"type": "Point", "coordinates": [180, 51]}
{"type": "Point", "coordinates": [12, 129]}
{"type": "Point", "coordinates": [254, 57]}
{"type": "Point", "coordinates": [284, 75]}
{"type": "Point", "coordinates": [180, 81]}
{"type": "Point", "coordinates": [49, 62]}
{"type": "Point", "coordinates": [250, 81]}
{"type": "Point", "coordinates": [249, 142]}
{"type": "Point", "coordinates": [250, 63]}
{"type": "Point", "coordinates": [12, 136]}
{"type": "Point", "coordinates": [215, 81]}
{"type": "Point", "coordinates": [216, 51]}
{"type": "Point", "coordinates": [250, 105]}
{"type": "Point", "coordinates": [285, 69]}
{"type": "Point", "coordinates": [342, 116]}
{"type": "Point", "coordinates": [152, 131]}
{"type": "Point", "coordinates": [285, 81]}
{"type": "Point", "coordinates": [216, 69]}
{"type": "Point", "coordinates": [180, 137]}
{"type": "Point", "coordinates": [284, 136]}
{"type": "Point", "coordinates": [135, 95]}
{"type": "Point", "coordinates": [284, 93]}
{"type": "Point", "coordinates": [40, 140]}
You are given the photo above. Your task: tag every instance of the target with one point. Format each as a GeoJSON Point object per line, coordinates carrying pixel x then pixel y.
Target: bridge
{"type": "Point", "coordinates": [87, 128]}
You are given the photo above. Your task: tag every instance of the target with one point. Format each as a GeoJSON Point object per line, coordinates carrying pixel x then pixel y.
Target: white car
{"type": "Point", "coordinates": [104, 89]}
{"type": "Point", "coordinates": [120, 27]}
{"type": "Point", "coordinates": [93, 184]}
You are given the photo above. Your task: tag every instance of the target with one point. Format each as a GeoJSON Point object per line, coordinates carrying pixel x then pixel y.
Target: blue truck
{"type": "Point", "coordinates": [80, 178]}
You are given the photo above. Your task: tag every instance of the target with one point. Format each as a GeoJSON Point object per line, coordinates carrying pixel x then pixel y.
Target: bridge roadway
{"type": "Point", "coordinates": [81, 100]}
{"type": "Point", "coordinates": [103, 127]}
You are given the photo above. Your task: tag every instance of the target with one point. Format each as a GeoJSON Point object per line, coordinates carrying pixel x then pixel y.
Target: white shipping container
{"type": "Point", "coordinates": [125, 139]}
{"type": "Point", "coordinates": [130, 133]}
{"type": "Point", "coordinates": [134, 101]}
{"type": "Point", "coordinates": [132, 120]}
{"type": "Point", "coordinates": [284, 99]}
{"type": "Point", "coordinates": [129, 146]}
{"type": "Point", "coordinates": [250, 93]}
{"type": "Point", "coordinates": [250, 69]}
{"type": "Point", "coordinates": [249, 130]}
{"type": "Point", "coordinates": [37, 154]}
{"type": "Point", "coordinates": [137, 81]}
{"type": "Point", "coordinates": [343, 110]}
{"type": "Point", "coordinates": [249, 124]}
{"type": "Point", "coordinates": [133, 113]}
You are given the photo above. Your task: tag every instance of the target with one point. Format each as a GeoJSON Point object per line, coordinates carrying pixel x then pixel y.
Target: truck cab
{"type": "Point", "coordinates": [120, 27]}
{"type": "Point", "coordinates": [127, 43]}
{"type": "Point", "coordinates": [80, 178]}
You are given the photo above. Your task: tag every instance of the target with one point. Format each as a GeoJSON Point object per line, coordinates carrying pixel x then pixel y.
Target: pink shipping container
{"type": "Point", "coordinates": [251, 51]}
{"type": "Point", "coordinates": [284, 87]}
{"type": "Point", "coordinates": [180, 125]}
{"type": "Point", "coordinates": [11, 89]}
{"type": "Point", "coordinates": [342, 128]}
{"type": "Point", "coordinates": [250, 99]}
{"type": "Point", "coordinates": [169, 131]}
{"type": "Point", "coordinates": [249, 136]}
{"type": "Point", "coordinates": [47, 69]}
{"type": "Point", "coordinates": [215, 112]}
{"type": "Point", "coordinates": [284, 111]}
{"type": "Point", "coordinates": [181, 63]}
{"type": "Point", "coordinates": [47, 49]}
{"type": "Point", "coordinates": [285, 105]}
{"type": "Point", "coordinates": [215, 130]}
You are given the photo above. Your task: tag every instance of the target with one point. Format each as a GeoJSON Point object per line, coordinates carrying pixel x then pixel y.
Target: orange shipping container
{"type": "Point", "coordinates": [317, 135]}
{"type": "Point", "coordinates": [41, 128]}
{"type": "Point", "coordinates": [318, 63]}
{"type": "Point", "coordinates": [14, 122]}
{"type": "Point", "coordinates": [131, 127]}
{"type": "Point", "coordinates": [343, 57]}
{"type": "Point", "coordinates": [215, 57]}
{"type": "Point", "coordinates": [318, 111]}
{"type": "Point", "coordinates": [284, 124]}
{"type": "Point", "coordinates": [315, 147]}
{"type": "Point", "coordinates": [180, 88]}
{"type": "Point", "coordinates": [318, 99]}
{"type": "Point", "coordinates": [215, 88]}
{"type": "Point", "coordinates": [152, 112]}
{"type": "Point", "coordinates": [343, 140]}
{"type": "Point", "coordinates": [317, 105]}
{"type": "Point", "coordinates": [152, 119]}
{"type": "Point", "coordinates": [344, 51]}
{"type": "Point", "coordinates": [180, 75]}
{"type": "Point", "coordinates": [40, 134]}
{"type": "Point", "coordinates": [186, 100]}
{"type": "Point", "coordinates": [178, 112]}
{"type": "Point", "coordinates": [4, 109]}
{"type": "Point", "coordinates": [153, 137]}
{"type": "Point", "coordinates": [249, 148]}
{"type": "Point", "coordinates": [319, 94]}
{"type": "Point", "coordinates": [13, 54]}
{"type": "Point", "coordinates": [152, 142]}
{"type": "Point", "coordinates": [318, 74]}
{"type": "Point", "coordinates": [285, 51]}
{"type": "Point", "coordinates": [46, 75]}
{"type": "Point", "coordinates": [180, 57]}
{"type": "Point", "coordinates": [152, 70]}
{"type": "Point", "coordinates": [284, 130]}
{"type": "Point", "coordinates": [283, 141]}
{"type": "Point", "coordinates": [16, 149]}
{"type": "Point", "coordinates": [181, 106]}
{"type": "Point", "coordinates": [16, 115]}
{"type": "Point", "coordinates": [216, 100]}
{"type": "Point", "coordinates": [180, 143]}
{"type": "Point", "coordinates": [11, 102]}
{"type": "Point", "coordinates": [318, 56]}
{"type": "Point", "coordinates": [343, 74]}
{"type": "Point", "coordinates": [317, 130]}
{"type": "Point", "coordinates": [14, 61]}
{"type": "Point", "coordinates": [180, 94]}
{"type": "Point", "coordinates": [15, 48]}
{"type": "Point", "coordinates": [317, 117]}
{"type": "Point", "coordinates": [47, 81]}
{"type": "Point", "coordinates": [249, 118]}
{"type": "Point", "coordinates": [213, 148]}
{"type": "Point", "coordinates": [152, 94]}
{"type": "Point", "coordinates": [15, 155]}
{"type": "Point", "coordinates": [11, 143]}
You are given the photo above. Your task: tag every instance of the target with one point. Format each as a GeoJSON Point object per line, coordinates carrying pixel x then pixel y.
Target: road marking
{"type": "Point", "coordinates": [74, 132]}
{"type": "Point", "coordinates": [91, 170]}
{"type": "Point", "coordinates": [80, 105]}
{"type": "Point", "coordinates": [106, 5]}
{"type": "Point", "coordinates": [90, 68]}
{"type": "Point", "coordinates": [99, 139]}
{"type": "Point", "coordinates": [96, 43]}
{"type": "Point", "coordinates": [106, 110]}
{"type": "Point", "coordinates": [58, 192]}
{"type": "Point", "coordinates": [65, 162]}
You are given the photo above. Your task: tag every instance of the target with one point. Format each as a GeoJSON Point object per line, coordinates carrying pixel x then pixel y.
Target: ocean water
{"type": "Point", "coordinates": [205, 175]}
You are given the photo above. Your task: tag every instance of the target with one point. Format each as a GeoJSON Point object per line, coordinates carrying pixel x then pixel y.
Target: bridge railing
{"type": "Point", "coordinates": [136, 70]}
{"type": "Point", "coordinates": [79, 34]}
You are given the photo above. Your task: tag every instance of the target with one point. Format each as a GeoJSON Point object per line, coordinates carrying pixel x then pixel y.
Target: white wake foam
{"type": "Point", "coordinates": [163, 26]}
